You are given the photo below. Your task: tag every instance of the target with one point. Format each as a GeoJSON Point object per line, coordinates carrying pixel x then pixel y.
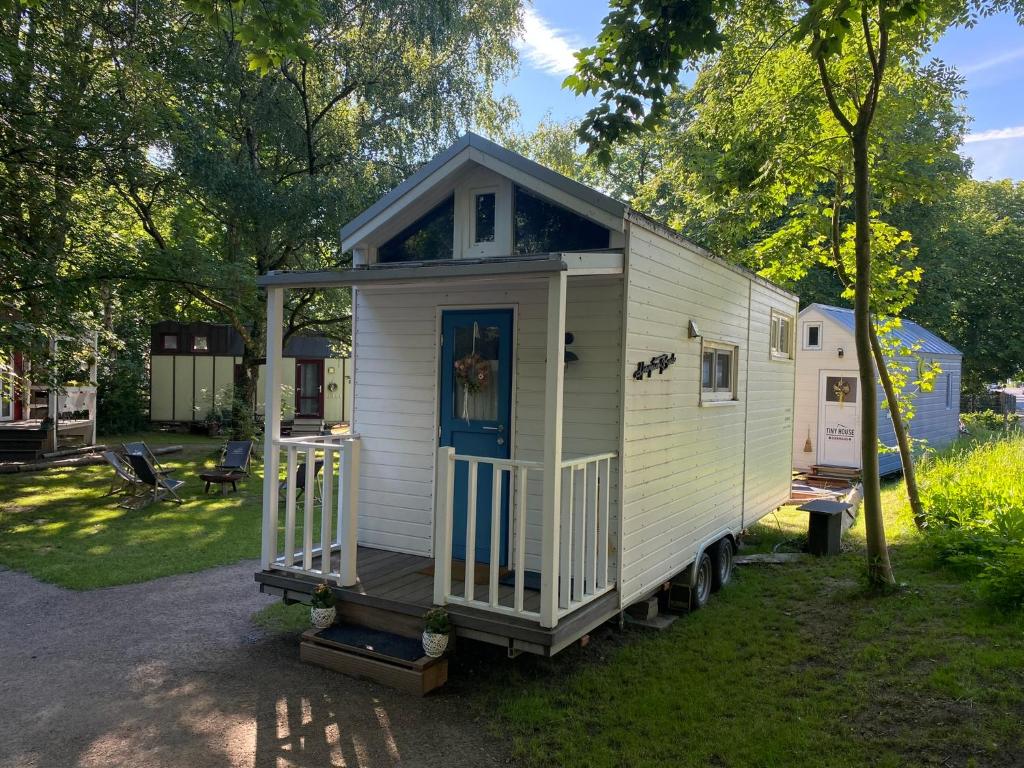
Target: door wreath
{"type": "Point", "coordinates": [473, 373]}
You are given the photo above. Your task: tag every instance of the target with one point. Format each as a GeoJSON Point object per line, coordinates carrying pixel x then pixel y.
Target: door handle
{"type": "Point", "coordinates": [499, 428]}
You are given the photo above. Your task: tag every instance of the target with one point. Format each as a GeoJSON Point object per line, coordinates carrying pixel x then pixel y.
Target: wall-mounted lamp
{"type": "Point", "coordinates": [840, 351]}
{"type": "Point", "coordinates": [692, 331]}
{"type": "Point", "coordinates": [570, 356]}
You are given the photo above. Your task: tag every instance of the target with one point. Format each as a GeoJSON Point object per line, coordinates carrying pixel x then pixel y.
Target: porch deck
{"type": "Point", "coordinates": [393, 590]}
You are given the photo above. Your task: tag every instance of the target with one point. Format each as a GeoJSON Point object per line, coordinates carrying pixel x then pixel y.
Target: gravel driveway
{"type": "Point", "coordinates": [173, 673]}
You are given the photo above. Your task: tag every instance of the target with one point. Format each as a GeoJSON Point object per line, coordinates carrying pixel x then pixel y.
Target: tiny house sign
{"type": "Point", "coordinates": [658, 363]}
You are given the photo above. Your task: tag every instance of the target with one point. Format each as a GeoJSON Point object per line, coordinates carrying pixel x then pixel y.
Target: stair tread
{"type": "Point", "coordinates": [373, 643]}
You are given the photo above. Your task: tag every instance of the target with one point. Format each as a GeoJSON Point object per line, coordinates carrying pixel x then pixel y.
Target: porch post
{"type": "Point", "coordinates": [554, 371]}
{"type": "Point", "coordinates": [272, 422]}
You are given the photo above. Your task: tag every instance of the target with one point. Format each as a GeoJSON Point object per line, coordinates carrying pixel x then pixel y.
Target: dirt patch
{"type": "Point", "coordinates": [172, 672]}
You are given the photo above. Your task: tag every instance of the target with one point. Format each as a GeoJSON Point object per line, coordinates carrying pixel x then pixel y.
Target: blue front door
{"type": "Point", "coordinates": [476, 408]}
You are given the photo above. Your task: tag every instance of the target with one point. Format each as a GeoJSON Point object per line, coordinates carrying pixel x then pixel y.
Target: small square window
{"type": "Point", "coordinates": [169, 341]}
{"type": "Point", "coordinates": [781, 335]}
{"type": "Point", "coordinates": [200, 344]}
{"type": "Point", "coordinates": [812, 335]}
{"type": "Point", "coordinates": [718, 373]}
{"type": "Point", "coordinates": [483, 217]}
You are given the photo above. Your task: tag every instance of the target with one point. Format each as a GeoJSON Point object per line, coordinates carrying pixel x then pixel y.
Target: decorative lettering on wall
{"type": "Point", "coordinates": [658, 363]}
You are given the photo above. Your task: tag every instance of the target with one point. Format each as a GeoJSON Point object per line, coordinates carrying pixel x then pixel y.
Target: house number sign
{"type": "Point", "coordinates": [658, 363]}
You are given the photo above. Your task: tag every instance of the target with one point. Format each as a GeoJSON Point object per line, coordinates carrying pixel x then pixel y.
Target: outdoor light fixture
{"type": "Point", "coordinates": [692, 331]}
{"type": "Point", "coordinates": [570, 356]}
{"type": "Point", "coordinates": [840, 351]}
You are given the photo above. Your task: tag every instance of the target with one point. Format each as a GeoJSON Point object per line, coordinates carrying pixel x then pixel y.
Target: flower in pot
{"type": "Point", "coordinates": [436, 630]}
{"type": "Point", "coordinates": [322, 612]}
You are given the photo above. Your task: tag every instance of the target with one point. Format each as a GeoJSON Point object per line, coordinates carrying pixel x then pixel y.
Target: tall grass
{"type": "Point", "coordinates": [974, 504]}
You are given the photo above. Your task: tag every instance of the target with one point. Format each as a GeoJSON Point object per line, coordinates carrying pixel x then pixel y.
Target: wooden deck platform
{"type": "Point", "coordinates": [395, 590]}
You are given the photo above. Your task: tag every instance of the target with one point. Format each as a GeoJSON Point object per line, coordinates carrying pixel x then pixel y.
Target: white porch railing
{"type": "Point", "coordinates": [580, 565]}
{"type": "Point", "coordinates": [332, 492]}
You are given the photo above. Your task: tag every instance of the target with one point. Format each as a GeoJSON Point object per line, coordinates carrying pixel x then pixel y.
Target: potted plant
{"type": "Point", "coordinates": [436, 630]}
{"type": "Point", "coordinates": [322, 611]}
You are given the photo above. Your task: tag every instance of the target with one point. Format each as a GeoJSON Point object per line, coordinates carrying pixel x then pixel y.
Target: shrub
{"type": "Point", "coordinates": [974, 507]}
{"type": "Point", "coordinates": [990, 420]}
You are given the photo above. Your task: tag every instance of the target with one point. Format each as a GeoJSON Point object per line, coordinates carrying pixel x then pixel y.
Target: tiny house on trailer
{"type": "Point", "coordinates": [560, 405]}
{"type": "Point", "coordinates": [193, 368]}
{"type": "Point", "coordinates": [827, 428]}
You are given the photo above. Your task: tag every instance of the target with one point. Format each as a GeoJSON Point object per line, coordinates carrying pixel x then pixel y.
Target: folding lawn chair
{"type": "Point", "coordinates": [124, 480]}
{"type": "Point", "coordinates": [163, 487]}
{"type": "Point", "coordinates": [300, 481]}
{"type": "Point", "coordinates": [236, 456]}
{"type": "Point", "coordinates": [141, 449]}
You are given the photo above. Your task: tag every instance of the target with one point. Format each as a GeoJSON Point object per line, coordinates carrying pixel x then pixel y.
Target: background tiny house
{"type": "Point", "coordinates": [193, 367]}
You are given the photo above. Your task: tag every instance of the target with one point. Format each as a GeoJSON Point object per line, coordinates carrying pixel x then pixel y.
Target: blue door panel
{"type": "Point", "coordinates": [478, 424]}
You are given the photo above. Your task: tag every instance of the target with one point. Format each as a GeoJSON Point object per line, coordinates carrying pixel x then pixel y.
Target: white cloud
{"type": "Point", "coordinates": [995, 61]}
{"type": "Point", "coordinates": [996, 134]}
{"type": "Point", "coordinates": [545, 47]}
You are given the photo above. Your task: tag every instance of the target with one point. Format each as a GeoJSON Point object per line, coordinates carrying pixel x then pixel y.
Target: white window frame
{"type": "Point", "coordinates": [806, 331]}
{"type": "Point", "coordinates": [949, 391]}
{"type": "Point", "coordinates": [716, 394]}
{"type": "Point", "coordinates": [777, 318]}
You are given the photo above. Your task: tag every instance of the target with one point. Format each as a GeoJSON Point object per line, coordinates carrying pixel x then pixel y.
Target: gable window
{"type": "Point", "coordinates": [484, 208]}
{"type": "Point", "coordinates": [782, 335]}
{"type": "Point", "coordinates": [200, 344]}
{"type": "Point", "coordinates": [169, 342]}
{"type": "Point", "coordinates": [429, 238]}
{"type": "Point", "coordinates": [542, 227]}
{"type": "Point", "coordinates": [812, 335]}
{"type": "Point", "coordinates": [718, 373]}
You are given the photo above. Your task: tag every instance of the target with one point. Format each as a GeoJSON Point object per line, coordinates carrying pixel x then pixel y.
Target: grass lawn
{"type": "Point", "coordinates": [793, 665]}
{"type": "Point", "coordinates": [57, 525]}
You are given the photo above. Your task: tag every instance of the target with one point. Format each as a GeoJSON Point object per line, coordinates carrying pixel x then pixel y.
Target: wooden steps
{"type": "Point", "coordinates": [393, 660]}
{"type": "Point", "coordinates": [21, 443]}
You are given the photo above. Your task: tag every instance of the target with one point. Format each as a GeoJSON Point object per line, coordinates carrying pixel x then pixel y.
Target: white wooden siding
{"type": "Point", "coordinates": [684, 462]}
{"type": "Point", "coordinates": [396, 393]}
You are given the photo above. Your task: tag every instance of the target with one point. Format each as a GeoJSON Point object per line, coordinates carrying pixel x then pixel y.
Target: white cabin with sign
{"type": "Point", "coordinates": [827, 433]}
{"type": "Point", "coordinates": [559, 406]}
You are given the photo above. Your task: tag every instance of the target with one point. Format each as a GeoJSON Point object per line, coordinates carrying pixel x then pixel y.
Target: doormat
{"type": "Point", "coordinates": [531, 580]}
{"type": "Point", "coordinates": [481, 572]}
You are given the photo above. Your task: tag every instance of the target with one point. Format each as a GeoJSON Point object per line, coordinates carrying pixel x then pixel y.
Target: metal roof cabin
{"type": "Point", "coordinates": [827, 430]}
{"type": "Point", "coordinates": [560, 405]}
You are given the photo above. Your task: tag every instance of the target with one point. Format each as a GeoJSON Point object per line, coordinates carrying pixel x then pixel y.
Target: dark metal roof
{"type": "Point", "coordinates": [422, 270]}
{"type": "Point", "coordinates": [909, 334]}
{"type": "Point", "coordinates": [308, 346]}
{"type": "Point", "coordinates": [471, 140]}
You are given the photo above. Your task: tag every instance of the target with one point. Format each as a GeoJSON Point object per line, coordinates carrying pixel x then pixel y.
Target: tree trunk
{"type": "Point", "coordinates": [902, 438]}
{"type": "Point", "coordinates": [879, 568]}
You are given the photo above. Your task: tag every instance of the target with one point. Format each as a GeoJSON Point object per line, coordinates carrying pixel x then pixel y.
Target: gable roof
{"type": "Point", "coordinates": [473, 141]}
{"type": "Point", "coordinates": [473, 147]}
{"type": "Point", "coordinates": [909, 334]}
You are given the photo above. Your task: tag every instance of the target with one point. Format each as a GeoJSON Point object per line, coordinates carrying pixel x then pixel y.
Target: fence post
{"type": "Point", "coordinates": [348, 513]}
{"type": "Point", "coordinates": [444, 489]}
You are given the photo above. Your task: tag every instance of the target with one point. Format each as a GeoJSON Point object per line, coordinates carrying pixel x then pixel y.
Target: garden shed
{"type": "Point", "coordinates": [193, 368]}
{"type": "Point", "coordinates": [560, 404]}
{"type": "Point", "coordinates": [827, 430]}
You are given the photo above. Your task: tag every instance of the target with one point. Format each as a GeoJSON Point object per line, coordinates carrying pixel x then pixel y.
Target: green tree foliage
{"type": "Point", "coordinates": [148, 152]}
{"type": "Point", "coordinates": [852, 50]}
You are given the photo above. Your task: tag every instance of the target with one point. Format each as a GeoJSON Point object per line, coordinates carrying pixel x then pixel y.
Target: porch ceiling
{"type": "Point", "coordinates": [610, 262]}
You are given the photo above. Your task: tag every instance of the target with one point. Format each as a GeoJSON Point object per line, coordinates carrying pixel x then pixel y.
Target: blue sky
{"type": "Point", "coordinates": [990, 56]}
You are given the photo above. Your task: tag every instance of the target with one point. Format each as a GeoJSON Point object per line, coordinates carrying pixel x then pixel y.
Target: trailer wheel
{"type": "Point", "coordinates": [721, 555]}
{"type": "Point", "coordinates": [700, 593]}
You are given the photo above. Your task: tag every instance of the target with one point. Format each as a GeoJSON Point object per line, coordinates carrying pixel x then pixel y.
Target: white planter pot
{"type": "Point", "coordinates": [434, 645]}
{"type": "Point", "coordinates": [322, 618]}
